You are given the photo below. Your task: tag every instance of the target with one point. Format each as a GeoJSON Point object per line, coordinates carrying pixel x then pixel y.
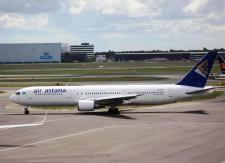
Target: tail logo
{"type": "Point", "coordinates": [202, 69]}
{"type": "Point", "coordinates": [223, 65]}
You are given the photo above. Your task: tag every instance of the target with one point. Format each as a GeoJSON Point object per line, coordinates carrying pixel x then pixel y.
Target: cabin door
{"type": "Point", "coordinates": [170, 92]}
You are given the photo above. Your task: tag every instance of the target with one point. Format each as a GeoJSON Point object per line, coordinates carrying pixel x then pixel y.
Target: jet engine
{"type": "Point", "coordinates": [86, 105]}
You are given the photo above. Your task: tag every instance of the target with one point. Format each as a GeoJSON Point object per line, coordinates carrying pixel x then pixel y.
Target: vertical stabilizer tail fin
{"type": "Point", "coordinates": [198, 76]}
{"type": "Point", "coordinates": [222, 64]}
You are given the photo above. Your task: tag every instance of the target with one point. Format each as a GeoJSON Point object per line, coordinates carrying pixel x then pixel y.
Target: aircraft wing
{"type": "Point", "coordinates": [115, 99]}
{"type": "Point", "coordinates": [24, 125]}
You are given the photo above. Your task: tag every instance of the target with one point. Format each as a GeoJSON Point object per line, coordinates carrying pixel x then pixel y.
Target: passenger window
{"type": "Point", "coordinates": [17, 93]}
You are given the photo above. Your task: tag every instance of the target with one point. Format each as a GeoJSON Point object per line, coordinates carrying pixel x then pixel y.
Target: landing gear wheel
{"type": "Point", "coordinates": [26, 111]}
{"type": "Point", "coordinates": [114, 111]}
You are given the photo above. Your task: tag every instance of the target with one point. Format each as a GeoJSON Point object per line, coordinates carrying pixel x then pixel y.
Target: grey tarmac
{"type": "Point", "coordinates": [180, 132]}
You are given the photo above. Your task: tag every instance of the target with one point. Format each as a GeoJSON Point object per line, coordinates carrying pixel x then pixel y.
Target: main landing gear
{"type": "Point", "coordinates": [113, 110]}
{"type": "Point", "coordinates": [26, 111]}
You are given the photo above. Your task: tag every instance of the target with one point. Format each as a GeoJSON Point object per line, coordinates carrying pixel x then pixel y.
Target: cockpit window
{"type": "Point", "coordinates": [17, 93]}
{"type": "Point", "coordinates": [24, 93]}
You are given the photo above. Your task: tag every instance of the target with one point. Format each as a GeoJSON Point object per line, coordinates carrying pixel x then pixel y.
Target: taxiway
{"type": "Point", "coordinates": [180, 132]}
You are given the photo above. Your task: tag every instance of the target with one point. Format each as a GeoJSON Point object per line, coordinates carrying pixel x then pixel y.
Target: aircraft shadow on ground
{"type": "Point", "coordinates": [168, 112]}
{"type": "Point", "coordinates": [101, 113]}
{"type": "Point", "coordinates": [123, 113]}
{"type": "Point", "coordinates": [106, 114]}
{"type": "Point", "coordinates": [13, 146]}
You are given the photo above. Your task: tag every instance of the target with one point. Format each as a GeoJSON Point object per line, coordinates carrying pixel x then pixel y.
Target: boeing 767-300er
{"type": "Point", "coordinates": [91, 97]}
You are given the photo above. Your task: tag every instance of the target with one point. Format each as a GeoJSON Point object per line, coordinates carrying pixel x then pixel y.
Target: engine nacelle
{"type": "Point", "coordinates": [86, 105]}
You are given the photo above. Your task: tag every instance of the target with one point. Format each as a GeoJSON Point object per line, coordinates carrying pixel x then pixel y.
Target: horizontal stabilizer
{"type": "Point", "coordinates": [200, 91]}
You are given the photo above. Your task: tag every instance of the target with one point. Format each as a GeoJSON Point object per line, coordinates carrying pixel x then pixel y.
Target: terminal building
{"type": "Point", "coordinates": [140, 56]}
{"type": "Point", "coordinates": [167, 55]}
{"type": "Point", "coordinates": [32, 52]}
{"type": "Point", "coordinates": [83, 52]}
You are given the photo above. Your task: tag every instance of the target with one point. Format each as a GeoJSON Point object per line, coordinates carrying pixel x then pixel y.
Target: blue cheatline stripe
{"type": "Point", "coordinates": [198, 76]}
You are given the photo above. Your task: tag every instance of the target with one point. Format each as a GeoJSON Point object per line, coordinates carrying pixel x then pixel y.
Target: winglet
{"type": "Point", "coordinates": [198, 76]}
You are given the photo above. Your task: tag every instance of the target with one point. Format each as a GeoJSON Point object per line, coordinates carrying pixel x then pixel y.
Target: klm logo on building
{"type": "Point", "coordinates": [46, 56]}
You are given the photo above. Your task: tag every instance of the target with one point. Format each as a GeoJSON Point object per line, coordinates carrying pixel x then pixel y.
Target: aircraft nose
{"type": "Point", "coordinates": [12, 97]}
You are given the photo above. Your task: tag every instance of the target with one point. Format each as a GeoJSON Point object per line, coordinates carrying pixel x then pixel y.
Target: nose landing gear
{"type": "Point", "coordinates": [26, 111]}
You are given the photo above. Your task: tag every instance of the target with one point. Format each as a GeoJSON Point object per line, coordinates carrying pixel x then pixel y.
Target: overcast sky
{"type": "Point", "coordinates": [116, 24]}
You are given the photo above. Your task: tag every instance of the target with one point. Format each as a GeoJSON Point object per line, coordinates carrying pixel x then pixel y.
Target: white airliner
{"type": "Point", "coordinates": [89, 98]}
